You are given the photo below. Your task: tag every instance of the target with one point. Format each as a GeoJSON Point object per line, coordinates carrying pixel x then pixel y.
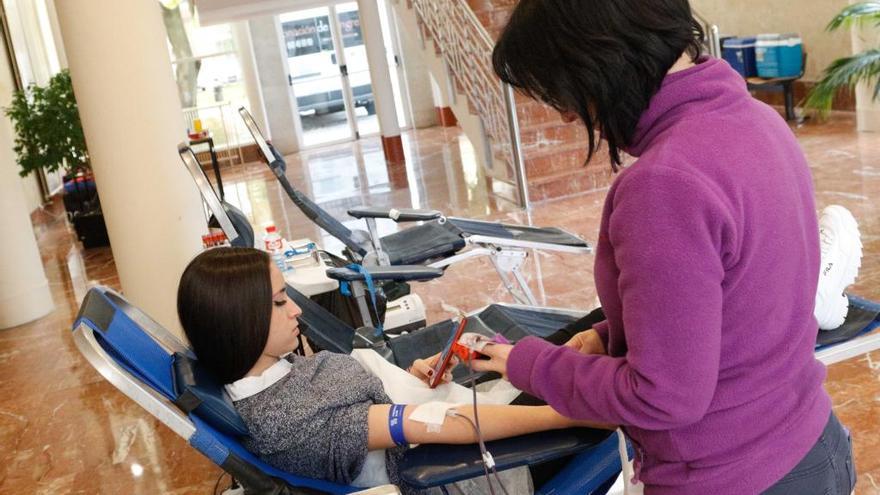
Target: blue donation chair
{"type": "Point", "coordinates": [152, 367]}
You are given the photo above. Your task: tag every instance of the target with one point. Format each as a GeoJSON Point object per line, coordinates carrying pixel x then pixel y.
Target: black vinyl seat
{"type": "Point", "coordinates": [416, 245]}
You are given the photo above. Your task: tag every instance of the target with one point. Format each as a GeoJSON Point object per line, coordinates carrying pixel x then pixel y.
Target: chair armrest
{"type": "Point", "coordinates": [401, 273]}
{"type": "Point", "coordinates": [428, 466]}
{"type": "Point", "coordinates": [396, 214]}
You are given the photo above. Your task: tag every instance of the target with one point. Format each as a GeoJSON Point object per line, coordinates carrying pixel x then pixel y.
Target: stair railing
{"type": "Point", "coordinates": [466, 47]}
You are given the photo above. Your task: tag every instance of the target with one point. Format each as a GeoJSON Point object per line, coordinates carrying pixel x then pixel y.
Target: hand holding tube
{"type": "Point", "coordinates": [497, 361]}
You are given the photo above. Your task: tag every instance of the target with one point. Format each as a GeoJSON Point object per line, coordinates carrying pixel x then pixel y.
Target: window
{"type": "Point", "coordinates": [208, 73]}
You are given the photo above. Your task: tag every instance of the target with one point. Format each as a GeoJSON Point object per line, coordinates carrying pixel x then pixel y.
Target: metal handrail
{"type": "Point", "coordinates": [713, 34]}
{"type": "Point", "coordinates": [466, 47]}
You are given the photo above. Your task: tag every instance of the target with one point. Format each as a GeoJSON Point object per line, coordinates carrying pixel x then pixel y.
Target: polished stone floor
{"type": "Point", "coordinates": [63, 429]}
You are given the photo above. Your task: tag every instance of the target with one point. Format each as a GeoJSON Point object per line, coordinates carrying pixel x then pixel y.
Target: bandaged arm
{"type": "Point", "coordinates": [495, 422]}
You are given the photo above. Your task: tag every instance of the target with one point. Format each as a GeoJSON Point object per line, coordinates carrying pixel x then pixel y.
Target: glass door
{"type": "Point", "coordinates": [317, 76]}
{"type": "Point", "coordinates": [355, 60]}
{"type": "Point", "coordinates": [329, 73]}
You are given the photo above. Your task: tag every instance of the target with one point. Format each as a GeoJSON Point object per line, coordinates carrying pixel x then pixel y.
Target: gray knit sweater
{"type": "Point", "coordinates": [313, 422]}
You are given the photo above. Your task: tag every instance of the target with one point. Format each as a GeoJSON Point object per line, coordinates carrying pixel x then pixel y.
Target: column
{"type": "Point", "coordinates": [132, 118]}
{"type": "Point", "coordinates": [271, 59]}
{"type": "Point", "coordinates": [24, 290]}
{"type": "Point", "coordinates": [867, 108]}
{"type": "Point", "coordinates": [245, 51]}
{"type": "Point", "coordinates": [445, 115]}
{"type": "Point", "coordinates": [371, 29]}
{"type": "Point", "coordinates": [418, 79]}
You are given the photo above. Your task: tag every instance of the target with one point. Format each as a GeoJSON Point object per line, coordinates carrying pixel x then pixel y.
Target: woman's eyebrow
{"type": "Point", "coordinates": [278, 292]}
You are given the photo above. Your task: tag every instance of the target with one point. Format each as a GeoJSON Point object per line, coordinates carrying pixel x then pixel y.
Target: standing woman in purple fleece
{"type": "Point", "coordinates": [707, 259]}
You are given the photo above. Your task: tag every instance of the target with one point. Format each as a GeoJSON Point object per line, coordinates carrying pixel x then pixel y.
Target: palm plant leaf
{"type": "Point", "coordinates": [856, 14]}
{"type": "Point", "coordinates": [846, 72]}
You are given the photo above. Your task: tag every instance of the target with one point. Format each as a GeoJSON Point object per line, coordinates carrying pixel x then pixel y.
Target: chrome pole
{"type": "Point", "coordinates": [519, 165]}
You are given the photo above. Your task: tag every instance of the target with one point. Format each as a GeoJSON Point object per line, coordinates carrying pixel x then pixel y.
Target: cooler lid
{"type": "Point", "coordinates": [748, 42]}
{"type": "Point", "coordinates": [790, 39]}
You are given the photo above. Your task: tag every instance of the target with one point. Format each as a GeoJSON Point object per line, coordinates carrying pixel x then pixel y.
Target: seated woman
{"type": "Point", "coordinates": [317, 416]}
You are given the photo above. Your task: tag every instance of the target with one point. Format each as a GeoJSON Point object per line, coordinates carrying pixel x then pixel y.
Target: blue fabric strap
{"type": "Point", "coordinates": [395, 424]}
{"type": "Point", "coordinates": [345, 289]}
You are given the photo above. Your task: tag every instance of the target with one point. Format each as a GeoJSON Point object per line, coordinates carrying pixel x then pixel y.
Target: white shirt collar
{"type": "Point", "coordinates": [252, 385]}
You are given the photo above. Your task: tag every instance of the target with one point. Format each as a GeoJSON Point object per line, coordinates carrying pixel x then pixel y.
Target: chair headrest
{"type": "Point", "coordinates": [200, 393]}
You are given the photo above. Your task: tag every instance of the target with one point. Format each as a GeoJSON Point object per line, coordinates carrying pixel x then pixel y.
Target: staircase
{"type": "Point", "coordinates": [553, 153]}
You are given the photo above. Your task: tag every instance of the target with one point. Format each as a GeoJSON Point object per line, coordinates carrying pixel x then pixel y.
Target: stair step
{"type": "Point", "coordinates": [594, 176]}
{"type": "Point", "coordinates": [568, 158]}
{"type": "Point", "coordinates": [552, 134]}
{"type": "Point", "coordinates": [532, 112]}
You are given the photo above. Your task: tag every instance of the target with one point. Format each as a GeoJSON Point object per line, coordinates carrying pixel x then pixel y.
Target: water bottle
{"type": "Point", "coordinates": [273, 244]}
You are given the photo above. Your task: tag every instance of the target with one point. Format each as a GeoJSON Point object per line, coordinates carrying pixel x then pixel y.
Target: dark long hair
{"type": "Point", "coordinates": [224, 302]}
{"type": "Point", "coordinates": [602, 59]}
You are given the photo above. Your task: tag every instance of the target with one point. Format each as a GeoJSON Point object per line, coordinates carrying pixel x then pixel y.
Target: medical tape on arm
{"type": "Point", "coordinates": [432, 414]}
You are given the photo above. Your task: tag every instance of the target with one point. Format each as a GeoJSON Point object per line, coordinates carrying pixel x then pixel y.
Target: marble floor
{"type": "Point", "coordinates": [63, 429]}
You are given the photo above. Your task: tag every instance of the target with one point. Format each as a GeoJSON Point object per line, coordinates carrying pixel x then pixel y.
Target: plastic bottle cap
{"type": "Point", "coordinates": [270, 229]}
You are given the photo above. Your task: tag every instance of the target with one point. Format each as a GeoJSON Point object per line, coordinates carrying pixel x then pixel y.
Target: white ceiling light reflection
{"type": "Point", "coordinates": [137, 470]}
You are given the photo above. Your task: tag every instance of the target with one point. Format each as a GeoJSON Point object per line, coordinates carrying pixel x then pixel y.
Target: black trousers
{"type": "Point", "coordinates": [827, 469]}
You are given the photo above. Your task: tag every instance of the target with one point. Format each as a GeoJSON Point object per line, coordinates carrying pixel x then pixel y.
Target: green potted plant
{"type": "Point", "coordinates": [49, 135]}
{"type": "Point", "coordinates": [848, 72]}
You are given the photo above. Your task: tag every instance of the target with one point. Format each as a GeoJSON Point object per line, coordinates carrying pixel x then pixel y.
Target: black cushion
{"type": "Point", "coordinates": [200, 394]}
{"type": "Point", "coordinates": [428, 466]}
{"type": "Point", "coordinates": [415, 245]}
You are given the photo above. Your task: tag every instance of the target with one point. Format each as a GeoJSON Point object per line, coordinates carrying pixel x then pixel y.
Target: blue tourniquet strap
{"type": "Point", "coordinates": [395, 424]}
{"type": "Point", "coordinates": [345, 289]}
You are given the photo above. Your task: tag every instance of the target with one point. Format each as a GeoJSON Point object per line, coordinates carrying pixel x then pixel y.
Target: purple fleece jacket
{"type": "Point", "coordinates": [706, 265]}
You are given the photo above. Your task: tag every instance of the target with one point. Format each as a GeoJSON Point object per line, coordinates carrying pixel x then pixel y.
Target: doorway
{"type": "Point", "coordinates": [329, 74]}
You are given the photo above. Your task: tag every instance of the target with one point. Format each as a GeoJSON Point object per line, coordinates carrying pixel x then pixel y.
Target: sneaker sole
{"type": "Point", "coordinates": [851, 256]}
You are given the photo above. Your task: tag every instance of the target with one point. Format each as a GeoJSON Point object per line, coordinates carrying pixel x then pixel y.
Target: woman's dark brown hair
{"type": "Point", "coordinates": [601, 59]}
{"type": "Point", "coordinates": [224, 302]}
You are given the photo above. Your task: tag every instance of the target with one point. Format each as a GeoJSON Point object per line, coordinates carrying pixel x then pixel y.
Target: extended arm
{"type": "Point", "coordinates": [495, 422]}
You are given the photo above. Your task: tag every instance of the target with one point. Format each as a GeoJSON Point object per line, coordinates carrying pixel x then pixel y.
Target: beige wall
{"type": "Point", "coordinates": [807, 17]}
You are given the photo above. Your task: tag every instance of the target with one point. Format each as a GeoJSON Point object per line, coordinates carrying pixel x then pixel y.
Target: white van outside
{"type": "Point", "coordinates": [314, 68]}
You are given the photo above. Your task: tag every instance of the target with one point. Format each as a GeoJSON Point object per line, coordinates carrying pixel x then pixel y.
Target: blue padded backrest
{"type": "Point", "coordinates": [216, 444]}
{"type": "Point", "coordinates": [198, 392]}
{"type": "Point", "coordinates": [119, 334]}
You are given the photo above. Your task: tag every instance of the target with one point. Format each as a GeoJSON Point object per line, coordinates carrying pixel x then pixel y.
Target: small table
{"type": "Point", "coordinates": [309, 274]}
{"type": "Point", "coordinates": [777, 84]}
{"type": "Point", "coordinates": [209, 140]}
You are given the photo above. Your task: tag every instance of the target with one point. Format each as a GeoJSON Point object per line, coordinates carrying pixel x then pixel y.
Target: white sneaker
{"type": "Point", "coordinates": [841, 259]}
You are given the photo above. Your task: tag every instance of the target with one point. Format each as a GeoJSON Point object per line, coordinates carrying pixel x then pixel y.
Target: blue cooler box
{"type": "Point", "coordinates": [779, 55]}
{"type": "Point", "coordinates": [740, 54]}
